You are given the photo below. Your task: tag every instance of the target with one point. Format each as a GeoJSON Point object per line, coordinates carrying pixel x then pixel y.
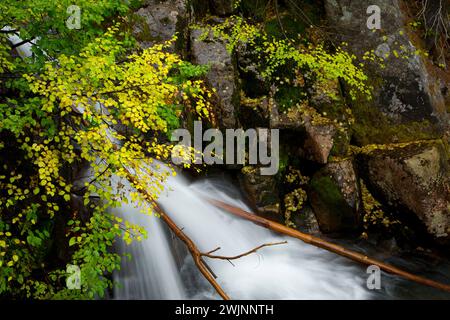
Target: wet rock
{"type": "Point", "coordinates": [319, 141]}
{"type": "Point", "coordinates": [222, 75]}
{"type": "Point", "coordinates": [160, 20]}
{"type": "Point", "coordinates": [415, 178]}
{"type": "Point", "coordinates": [405, 91]}
{"type": "Point", "coordinates": [306, 221]}
{"type": "Point", "coordinates": [262, 192]}
{"type": "Point", "coordinates": [293, 119]}
{"type": "Point", "coordinates": [320, 134]}
{"type": "Point", "coordinates": [335, 197]}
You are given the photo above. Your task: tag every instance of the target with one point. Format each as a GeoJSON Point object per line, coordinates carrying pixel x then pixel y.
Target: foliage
{"type": "Point", "coordinates": [44, 22]}
{"type": "Point", "coordinates": [374, 216]}
{"type": "Point", "coordinates": [295, 199]}
{"type": "Point", "coordinates": [311, 61]}
{"type": "Point", "coordinates": [435, 19]}
{"type": "Point", "coordinates": [66, 119]}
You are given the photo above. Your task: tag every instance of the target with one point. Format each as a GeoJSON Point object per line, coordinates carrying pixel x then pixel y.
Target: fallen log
{"type": "Point", "coordinates": [318, 242]}
{"type": "Point", "coordinates": [196, 254]}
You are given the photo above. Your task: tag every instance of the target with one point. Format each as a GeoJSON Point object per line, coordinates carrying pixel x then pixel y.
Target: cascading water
{"type": "Point", "coordinates": [291, 271]}
{"type": "Point", "coordinates": [152, 272]}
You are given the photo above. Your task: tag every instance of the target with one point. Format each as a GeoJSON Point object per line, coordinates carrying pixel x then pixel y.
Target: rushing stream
{"type": "Point", "coordinates": [162, 269]}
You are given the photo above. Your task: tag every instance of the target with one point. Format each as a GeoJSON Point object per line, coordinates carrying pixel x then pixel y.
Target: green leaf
{"type": "Point", "coordinates": [72, 241]}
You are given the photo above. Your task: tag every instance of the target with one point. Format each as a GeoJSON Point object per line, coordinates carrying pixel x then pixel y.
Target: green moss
{"type": "Point", "coordinates": [373, 127]}
{"type": "Point", "coordinates": [291, 26]}
{"type": "Point", "coordinates": [268, 198]}
{"type": "Point", "coordinates": [332, 211]}
{"type": "Point", "coordinates": [341, 142]}
{"type": "Point", "coordinates": [328, 192]}
{"type": "Point", "coordinates": [284, 161]}
{"type": "Point", "coordinates": [145, 35]}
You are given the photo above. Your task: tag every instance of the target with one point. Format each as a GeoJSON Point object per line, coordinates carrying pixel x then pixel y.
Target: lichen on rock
{"type": "Point", "coordinates": [416, 179]}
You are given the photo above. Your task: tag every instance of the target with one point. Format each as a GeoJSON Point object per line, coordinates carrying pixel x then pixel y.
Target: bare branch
{"type": "Point", "coordinates": [209, 255]}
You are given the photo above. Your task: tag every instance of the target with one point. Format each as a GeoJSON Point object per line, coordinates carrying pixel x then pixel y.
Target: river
{"type": "Point", "coordinates": [161, 268]}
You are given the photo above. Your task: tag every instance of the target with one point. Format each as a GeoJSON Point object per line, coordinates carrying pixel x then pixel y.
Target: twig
{"type": "Point", "coordinates": [209, 255]}
{"type": "Point", "coordinates": [197, 255]}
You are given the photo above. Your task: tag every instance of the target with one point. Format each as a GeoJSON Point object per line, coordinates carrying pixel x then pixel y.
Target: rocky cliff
{"type": "Point", "coordinates": [396, 144]}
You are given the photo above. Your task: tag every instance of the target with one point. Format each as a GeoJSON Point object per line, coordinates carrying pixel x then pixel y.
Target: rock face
{"type": "Point", "coordinates": [306, 221]}
{"type": "Point", "coordinates": [319, 141]}
{"type": "Point", "coordinates": [262, 191]}
{"type": "Point", "coordinates": [405, 91]}
{"type": "Point", "coordinates": [417, 178]}
{"type": "Point", "coordinates": [161, 20]}
{"type": "Point", "coordinates": [222, 75]}
{"type": "Point", "coordinates": [335, 197]}
{"type": "Point", "coordinates": [319, 135]}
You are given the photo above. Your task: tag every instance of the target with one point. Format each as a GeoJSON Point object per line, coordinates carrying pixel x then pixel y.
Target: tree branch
{"type": "Point", "coordinates": [209, 255]}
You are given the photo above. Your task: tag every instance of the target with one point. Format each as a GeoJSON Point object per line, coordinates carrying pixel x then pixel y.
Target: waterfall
{"type": "Point", "coordinates": [291, 271]}
{"type": "Point", "coordinates": [152, 272]}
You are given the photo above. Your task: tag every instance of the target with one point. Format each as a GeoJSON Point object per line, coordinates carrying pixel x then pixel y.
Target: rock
{"type": "Point", "coordinates": [320, 133]}
{"type": "Point", "coordinates": [222, 76]}
{"type": "Point", "coordinates": [306, 221]}
{"type": "Point", "coordinates": [335, 197]}
{"type": "Point", "coordinates": [221, 7]}
{"type": "Point", "coordinates": [262, 192]}
{"type": "Point", "coordinates": [293, 119]}
{"type": "Point", "coordinates": [405, 91]}
{"type": "Point", "coordinates": [319, 141]}
{"type": "Point", "coordinates": [161, 20]}
{"type": "Point", "coordinates": [415, 178]}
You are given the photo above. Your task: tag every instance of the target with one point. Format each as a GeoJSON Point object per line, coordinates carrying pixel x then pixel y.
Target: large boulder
{"type": "Point", "coordinates": [222, 75]}
{"type": "Point", "coordinates": [320, 134]}
{"type": "Point", "coordinates": [158, 21]}
{"type": "Point", "coordinates": [335, 197]}
{"type": "Point", "coordinates": [415, 178]}
{"type": "Point", "coordinates": [406, 94]}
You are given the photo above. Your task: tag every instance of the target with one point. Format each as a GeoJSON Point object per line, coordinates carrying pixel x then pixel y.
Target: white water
{"type": "Point", "coordinates": [152, 272]}
{"type": "Point", "coordinates": [290, 271]}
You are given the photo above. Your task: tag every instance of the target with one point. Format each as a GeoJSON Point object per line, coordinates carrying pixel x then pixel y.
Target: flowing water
{"type": "Point", "coordinates": [160, 270]}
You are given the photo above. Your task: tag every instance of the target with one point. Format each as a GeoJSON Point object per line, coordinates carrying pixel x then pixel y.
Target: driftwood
{"type": "Point", "coordinates": [318, 242]}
